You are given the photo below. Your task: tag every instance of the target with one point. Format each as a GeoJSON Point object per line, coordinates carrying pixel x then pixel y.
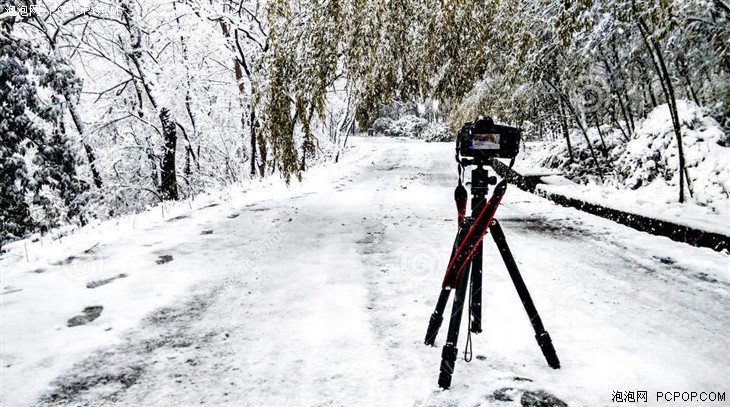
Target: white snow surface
{"type": "Point", "coordinates": [320, 293]}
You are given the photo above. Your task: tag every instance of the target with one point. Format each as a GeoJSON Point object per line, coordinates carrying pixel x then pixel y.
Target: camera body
{"type": "Point", "coordinates": [483, 140]}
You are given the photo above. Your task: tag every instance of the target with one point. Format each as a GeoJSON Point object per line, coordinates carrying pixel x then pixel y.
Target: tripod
{"type": "Point", "coordinates": [466, 259]}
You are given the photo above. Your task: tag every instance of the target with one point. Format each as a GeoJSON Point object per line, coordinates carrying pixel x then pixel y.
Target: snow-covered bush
{"type": "Point", "coordinates": [581, 167]}
{"type": "Point", "coordinates": [382, 124]}
{"type": "Point", "coordinates": [437, 132]}
{"type": "Point", "coordinates": [408, 126]}
{"type": "Point", "coordinates": [648, 161]}
{"type": "Point", "coordinates": [651, 157]}
{"type": "Point", "coordinates": [412, 127]}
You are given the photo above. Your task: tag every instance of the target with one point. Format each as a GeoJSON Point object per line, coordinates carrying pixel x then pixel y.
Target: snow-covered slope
{"type": "Point", "coordinates": [643, 176]}
{"type": "Point", "coordinates": [320, 295]}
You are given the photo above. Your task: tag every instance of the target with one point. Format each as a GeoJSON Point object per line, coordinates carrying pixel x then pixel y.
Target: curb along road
{"type": "Point", "coordinates": [674, 231]}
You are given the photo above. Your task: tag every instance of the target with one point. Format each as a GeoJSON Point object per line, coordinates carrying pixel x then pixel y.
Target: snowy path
{"type": "Point", "coordinates": [320, 295]}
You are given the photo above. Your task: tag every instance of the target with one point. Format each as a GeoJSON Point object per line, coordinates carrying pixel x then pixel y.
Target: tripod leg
{"type": "Point", "coordinates": [543, 338]}
{"type": "Point", "coordinates": [449, 352]}
{"type": "Point", "coordinates": [434, 324]}
{"type": "Point", "coordinates": [437, 317]}
{"type": "Point", "coordinates": [476, 290]}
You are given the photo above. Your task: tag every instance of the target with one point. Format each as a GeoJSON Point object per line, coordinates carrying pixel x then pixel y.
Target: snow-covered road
{"type": "Point", "coordinates": [320, 295]}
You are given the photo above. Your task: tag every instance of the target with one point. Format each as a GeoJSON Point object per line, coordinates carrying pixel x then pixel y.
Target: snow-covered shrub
{"type": "Point", "coordinates": [381, 125]}
{"type": "Point", "coordinates": [412, 127]}
{"type": "Point", "coordinates": [408, 126]}
{"type": "Point", "coordinates": [437, 132]}
{"type": "Point", "coordinates": [651, 157]}
{"type": "Point", "coordinates": [649, 161]}
{"type": "Point", "coordinates": [581, 167]}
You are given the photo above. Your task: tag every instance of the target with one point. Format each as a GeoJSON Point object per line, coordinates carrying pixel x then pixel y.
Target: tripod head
{"type": "Point", "coordinates": [480, 181]}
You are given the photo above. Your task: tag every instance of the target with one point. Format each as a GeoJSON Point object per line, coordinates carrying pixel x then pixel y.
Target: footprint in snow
{"type": "Point", "coordinates": [527, 398]}
{"type": "Point", "coordinates": [99, 283]}
{"type": "Point", "coordinates": [9, 289]}
{"type": "Point", "coordinates": [540, 398]}
{"type": "Point", "coordinates": [165, 258]}
{"type": "Point", "coordinates": [89, 314]}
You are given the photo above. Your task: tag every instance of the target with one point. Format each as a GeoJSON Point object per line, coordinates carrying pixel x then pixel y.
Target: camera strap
{"type": "Point", "coordinates": [460, 196]}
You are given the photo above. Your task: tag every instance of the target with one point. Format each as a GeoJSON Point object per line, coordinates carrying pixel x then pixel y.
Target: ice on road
{"type": "Point", "coordinates": [320, 295]}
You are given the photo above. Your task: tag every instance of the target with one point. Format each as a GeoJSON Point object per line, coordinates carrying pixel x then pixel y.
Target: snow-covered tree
{"type": "Point", "coordinates": [38, 181]}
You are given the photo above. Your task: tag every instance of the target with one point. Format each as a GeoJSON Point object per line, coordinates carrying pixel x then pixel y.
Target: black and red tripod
{"type": "Point", "coordinates": [466, 259]}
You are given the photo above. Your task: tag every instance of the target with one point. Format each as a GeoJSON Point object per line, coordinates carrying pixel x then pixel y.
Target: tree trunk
{"type": "Point", "coordinates": [666, 82]}
{"type": "Point", "coordinates": [253, 141]}
{"type": "Point", "coordinates": [81, 128]}
{"type": "Point", "coordinates": [630, 113]}
{"type": "Point", "coordinates": [625, 107]}
{"type": "Point", "coordinates": [262, 153]}
{"type": "Point", "coordinates": [188, 107]}
{"type": "Point", "coordinates": [582, 128]}
{"type": "Point", "coordinates": [600, 134]}
{"type": "Point", "coordinates": [653, 98]}
{"type": "Point", "coordinates": [168, 186]}
{"type": "Point", "coordinates": [149, 151]}
{"type": "Point", "coordinates": [675, 123]}
{"type": "Point", "coordinates": [74, 111]}
{"type": "Point", "coordinates": [612, 113]}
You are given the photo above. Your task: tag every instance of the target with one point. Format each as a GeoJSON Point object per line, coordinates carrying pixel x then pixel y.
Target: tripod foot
{"type": "Point", "coordinates": [548, 350]}
{"type": "Point", "coordinates": [448, 359]}
{"type": "Point", "coordinates": [437, 317]}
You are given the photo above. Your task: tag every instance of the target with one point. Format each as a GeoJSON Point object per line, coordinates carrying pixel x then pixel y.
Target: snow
{"type": "Point", "coordinates": [554, 179]}
{"type": "Point", "coordinates": [707, 161]}
{"type": "Point", "coordinates": [653, 202]}
{"type": "Point", "coordinates": [643, 179]}
{"type": "Point", "coordinates": [42, 289]}
{"type": "Point", "coordinates": [320, 294]}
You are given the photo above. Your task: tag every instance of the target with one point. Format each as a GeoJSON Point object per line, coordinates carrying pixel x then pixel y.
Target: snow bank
{"type": "Point", "coordinates": [640, 176]}
{"type": "Point", "coordinates": [650, 160]}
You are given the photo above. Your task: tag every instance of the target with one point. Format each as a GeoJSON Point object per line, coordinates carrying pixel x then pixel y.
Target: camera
{"type": "Point", "coordinates": [483, 140]}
